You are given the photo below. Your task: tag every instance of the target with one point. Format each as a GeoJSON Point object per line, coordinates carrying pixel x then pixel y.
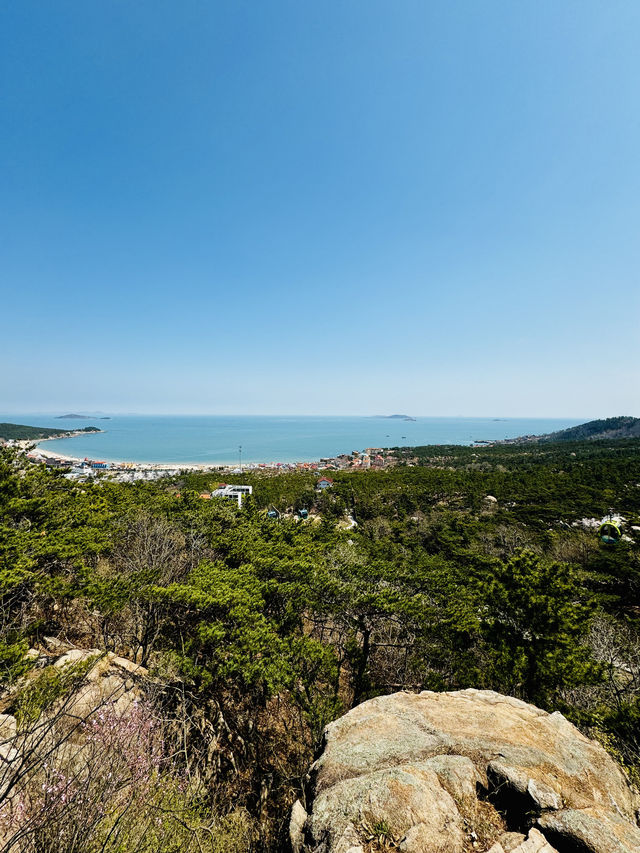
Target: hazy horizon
{"type": "Point", "coordinates": [60, 412]}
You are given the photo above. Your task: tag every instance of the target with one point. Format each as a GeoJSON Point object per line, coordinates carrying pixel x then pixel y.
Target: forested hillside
{"type": "Point", "coordinates": [607, 428]}
{"type": "Point", "coordinates": [604, 429]}
{"type": "Point", "coordinates": [22, 432]}
{"type": "Point", "coordinates": [465, 567]}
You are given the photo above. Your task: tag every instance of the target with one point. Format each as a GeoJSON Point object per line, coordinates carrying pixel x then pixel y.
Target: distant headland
{"type": "Point", "coordinates": [603, 429]}
{"type": "Point", "coordinates": [22, 432]}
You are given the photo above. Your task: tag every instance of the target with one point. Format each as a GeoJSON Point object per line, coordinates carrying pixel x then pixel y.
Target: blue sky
{"type": "Point", "coordinates": [338, 207]}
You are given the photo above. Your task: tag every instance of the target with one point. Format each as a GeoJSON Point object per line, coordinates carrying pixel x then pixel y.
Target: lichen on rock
{"type": "Point", "coordinates": [463, 771]}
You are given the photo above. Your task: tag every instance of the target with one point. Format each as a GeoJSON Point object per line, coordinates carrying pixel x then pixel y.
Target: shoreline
{"type": "Point", "coordinates": [120, 464]}
{"type": "Point", "coordinates": [125, 464]}
{"type": "Point", "coordinates": [283, 461]}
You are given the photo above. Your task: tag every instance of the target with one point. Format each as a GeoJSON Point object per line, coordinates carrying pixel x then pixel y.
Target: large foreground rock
{"type": "Point", "coordinates": [462, 771]}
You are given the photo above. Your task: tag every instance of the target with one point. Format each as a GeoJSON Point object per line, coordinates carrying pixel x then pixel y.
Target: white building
{"type": "Point", "coordinates": [233, 492]}
{"type": "Point", "coordinates": [324, 483]}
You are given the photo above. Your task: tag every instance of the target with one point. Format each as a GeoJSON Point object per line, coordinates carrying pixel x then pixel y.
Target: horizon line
{"type": "Point", "coordinates": [112, 413]}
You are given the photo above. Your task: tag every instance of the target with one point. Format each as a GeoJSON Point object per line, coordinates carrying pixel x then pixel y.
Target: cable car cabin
{"type": "Point", "coordinates": [303, 513]}
{"type": "Point", "coordinates": [273, 513]}
{"type": "Point", "coordinates": [609, 532]}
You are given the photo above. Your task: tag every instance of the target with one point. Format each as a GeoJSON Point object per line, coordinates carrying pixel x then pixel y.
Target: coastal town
{"type": "Point", "coordinates": [88, 468]}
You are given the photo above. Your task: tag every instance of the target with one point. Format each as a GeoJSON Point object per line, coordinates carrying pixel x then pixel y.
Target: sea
{"type": "Point", "coordinates": [229, 439]}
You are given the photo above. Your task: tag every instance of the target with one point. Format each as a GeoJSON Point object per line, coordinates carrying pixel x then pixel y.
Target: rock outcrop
{"type": "Point", "coordinates": [111, 680]}
{"type": "Point", "coordinates": [106, 679]}
{"type": "Point", "coordinates": [463, 771]}
{"type": "Point", "coordinates": [53, 733]}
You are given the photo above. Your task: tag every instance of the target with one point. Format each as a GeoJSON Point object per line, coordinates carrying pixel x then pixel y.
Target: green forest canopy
{"type": "Point", "coordinates": [22, 432]}
{"type": "Point", "coordinates": [261, 631]}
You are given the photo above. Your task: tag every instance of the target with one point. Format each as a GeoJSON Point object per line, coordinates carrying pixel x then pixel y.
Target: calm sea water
{"type": "Point", "coordinates": [215, 439]}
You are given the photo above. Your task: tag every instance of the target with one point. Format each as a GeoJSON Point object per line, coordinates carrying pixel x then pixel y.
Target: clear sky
{"type": "Point", "coordinates": [347, 206]}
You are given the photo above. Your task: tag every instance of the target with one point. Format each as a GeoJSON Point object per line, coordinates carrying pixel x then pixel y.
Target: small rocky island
{"type": "Point", "coordinates": [397, 417]}
{"type": "Point", "coordinates": [72, 416]}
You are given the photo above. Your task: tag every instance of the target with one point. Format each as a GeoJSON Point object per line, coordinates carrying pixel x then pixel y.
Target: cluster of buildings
{"type": "Point", "coordinates": [121, 472]}
{"type": "Point", "coordinates": [372, 457]}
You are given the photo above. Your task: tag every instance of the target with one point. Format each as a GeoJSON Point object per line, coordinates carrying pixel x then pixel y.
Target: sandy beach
{"type": "Point", "coordinates": [120, 465]}
{"type": "Point", "coordinates": [142, 466]}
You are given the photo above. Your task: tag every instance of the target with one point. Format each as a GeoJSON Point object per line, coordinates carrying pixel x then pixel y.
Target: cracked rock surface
{"type": "Point", "coordinates": [463, 771]}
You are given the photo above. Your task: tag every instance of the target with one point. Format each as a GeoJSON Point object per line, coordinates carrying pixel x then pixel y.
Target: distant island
{"type": "Point", "coordinates": [74, 416]}
{"type": "Point", "coordinates": [22, 432]}
{"type": "Point", "coordinates": [603, 429]}
{"type": "Point", "coordinates": [396, 417]}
